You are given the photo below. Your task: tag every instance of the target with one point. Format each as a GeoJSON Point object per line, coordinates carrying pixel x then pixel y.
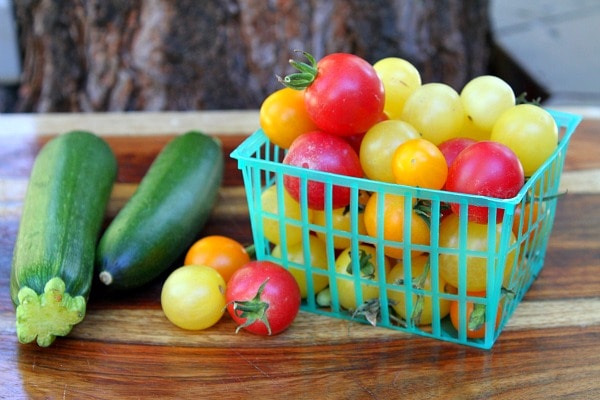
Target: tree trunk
{"type": "Point", "coordinates": [124, 55]}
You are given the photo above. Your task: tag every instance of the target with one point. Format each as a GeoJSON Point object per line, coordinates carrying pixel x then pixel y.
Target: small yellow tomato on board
{"type": "Point", "coordinates": [193, 297]}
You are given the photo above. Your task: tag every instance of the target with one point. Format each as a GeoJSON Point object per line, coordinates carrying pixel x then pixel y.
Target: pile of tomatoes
{"type": "Point", "coordinates": [345, 116]}
{"type": "Point", "coordinates": [219, 275]}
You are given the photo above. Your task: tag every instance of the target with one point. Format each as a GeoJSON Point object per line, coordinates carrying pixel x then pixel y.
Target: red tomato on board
{"type": "Point", "coordinates": [263, 298]}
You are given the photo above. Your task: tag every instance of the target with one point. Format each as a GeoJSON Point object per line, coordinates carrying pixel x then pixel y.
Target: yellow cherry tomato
{"type": "Point", "coordinates": [396, 276]}
{"type": "Point", "coordinates": [193, 297]}
{"type": "Point", "coordinates": [291, 211]}
{"type": "Point", "coordinates": [317, 252]}
{"type": "Point", "coordinates": [367, 263]}
{"type": "Point", "coordinates": [400, 78]}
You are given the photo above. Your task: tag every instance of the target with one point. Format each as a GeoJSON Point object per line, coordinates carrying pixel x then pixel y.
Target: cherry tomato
{"type": "Point", "coordinates": [471, 131]}
{"type": "Point", "coordinates": [317, 252]}
{"type": "Point", "coordinates": [420, 163]}
{"type": "Point", "coordinates": [528, 222]}
{"type": "Point", "coordinates": [341, 221]}
{"type": "Point", "coordinates": [451, 147]}
{"type": "Point", "coordinates": [392, 216]}
{"type": "Point", "coordinates": [263, 298]}
{"type": "Point", "coordinates": [356, 140]}
{"type": "Point", "coordinates": [529, 131]}
{"type": "Point", "coordinates": [222, 253]}
{"type": "Point", "coordinates": [475, 265]}
{"type": "Point", "coordinates": [291, 211]}
{"type": "Point", "coordinates": [378, 146]}
{"type": "Point", "coordinates": [283, 117]}
{"type": "Point", "coordinates": [485, 98]}
{"type": "Point", "coordinates": [436, 112]}
{"type": "Point", "coordinates": [193, 297]}
{"type": "Point", "coordinates": [322, 152]}
{"type": "Point", "coordinates": [422, 279]}
{"type": "Point", "coordinates": [367, 263]}
{"type": "Point", "coordinates": [488, 169]}
{"type": "Point", "coordinates": [474, 316]}
{"type": "Point", "coordinates": [400, 78]}
{"type": "Point", "coordinates": [344, 95]}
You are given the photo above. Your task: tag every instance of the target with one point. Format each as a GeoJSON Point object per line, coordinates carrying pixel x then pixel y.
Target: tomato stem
{"type": "Point", "coordinates": [545, 198]}
{"type": "Point", "coordinates": [419, 283]}
{"type": "Point", "coordinates": [253, 310]}
{"type": "Point", "coordinates": [477, 317]}
{"type": "Point", "coordinates": [522, 99]}
{"type": "Point", "coordinates": [306, 75]}
{"type": "Point", "coordinates": [251, 250]}
{"type": "Point", "coordinates": [370, 310]}
{"type": "Point", "coordinates": [365, 265]}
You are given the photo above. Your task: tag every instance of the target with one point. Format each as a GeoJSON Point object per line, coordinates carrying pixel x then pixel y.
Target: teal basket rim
{"type": "Point", "coordinates": [245, 153]}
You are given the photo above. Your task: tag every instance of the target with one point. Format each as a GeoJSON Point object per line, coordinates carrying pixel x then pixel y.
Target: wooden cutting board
{"type": "Point", "coordinates": [125, 348]}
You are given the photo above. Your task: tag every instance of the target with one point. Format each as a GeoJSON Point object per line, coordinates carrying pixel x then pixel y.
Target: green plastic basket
{"type": "Point", "coordinates": [260, 163]}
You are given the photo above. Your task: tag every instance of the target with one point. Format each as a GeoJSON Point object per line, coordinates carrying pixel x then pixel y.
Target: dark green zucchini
{"type": "Point", "coordinates": [63, 211]}
{"type": "Point", "coordinates": [164, 215]}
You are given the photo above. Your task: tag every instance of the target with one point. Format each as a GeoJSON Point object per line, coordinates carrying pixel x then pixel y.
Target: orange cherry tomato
{"type": "Point", "coordinates": [529, 214]}
{"type": "Point", "coordinates": [392, 217]}
{"type": "Point", "coordinates": [283, 117]}
{"type": "Point", "coordinates": [477, 331]}
{"type": "Point", "coordinates": [419, 162]}
{"type": "Point", "coordinates": [224, 254]}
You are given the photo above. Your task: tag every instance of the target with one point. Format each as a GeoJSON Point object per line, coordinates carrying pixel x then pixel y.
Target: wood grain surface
{"type": "Point", "coordinates": [125, 347]}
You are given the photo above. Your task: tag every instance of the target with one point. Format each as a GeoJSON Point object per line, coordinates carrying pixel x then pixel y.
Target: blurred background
{"type": "Point", "coordinates": [155, 55]}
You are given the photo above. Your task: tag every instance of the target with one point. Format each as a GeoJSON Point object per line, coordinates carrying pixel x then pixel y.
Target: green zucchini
{"type": "Point", "coordinates": [53, 259]}
{"type": "Point", "coordinates": [164, 215]}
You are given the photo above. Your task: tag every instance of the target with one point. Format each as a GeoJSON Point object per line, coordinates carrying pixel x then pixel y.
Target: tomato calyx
{"type": "Point", "coordinates": [253, 310]}
{"type": "Point", "coordinates": [477, 317]}
{"type": "Point", "coordinates": [251, 251]}
{"type": "Point", "coordinates": [522, 99]}
{"type": "Point", "coordinates": [365, 266]}
{"type": "Point", "coordinates": [306, 75]}
{"type": "Point", "coordinates": [369, 310]}
{"type": "Point", "coordinates": [418, 282]}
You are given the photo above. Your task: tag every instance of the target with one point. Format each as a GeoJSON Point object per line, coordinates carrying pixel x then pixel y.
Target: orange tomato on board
{"type": "Point", "coordinates": [222, 253]}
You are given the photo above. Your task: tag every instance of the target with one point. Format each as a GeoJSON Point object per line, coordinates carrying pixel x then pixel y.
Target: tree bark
{"type": "Point", "coordinates": [125, 55]}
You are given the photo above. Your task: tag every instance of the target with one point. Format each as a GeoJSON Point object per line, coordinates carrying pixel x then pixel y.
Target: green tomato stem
{"type": "Point", "coordinates": [253, 310]}
{"type": "Point", "coordinates": [49, 314]}
{"type": "Point", "coordinates": [477, 318]}
{"type": "Point", "coordinates": [419, 283]}
{"type": "Point", "coordinates": [365, 266]}
{"type": "Point", "coordinates": [251, 250]}
{"type": "Point", "coordinates": [306, 75]}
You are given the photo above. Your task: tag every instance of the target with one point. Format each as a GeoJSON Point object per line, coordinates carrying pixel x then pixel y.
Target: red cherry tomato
{"type": "Point", "coordinates": [451, 147]}
{"type": "Point", "coordinates": [323, 152]}
{"type": "Point", "coordinates": [355, 141]}
{"type": "Point", "coordinates": [485, 168]}
{"type": "Point", "coordinates": [344, 95]}
{"type": "Point", "coordinates": [263, 298]}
